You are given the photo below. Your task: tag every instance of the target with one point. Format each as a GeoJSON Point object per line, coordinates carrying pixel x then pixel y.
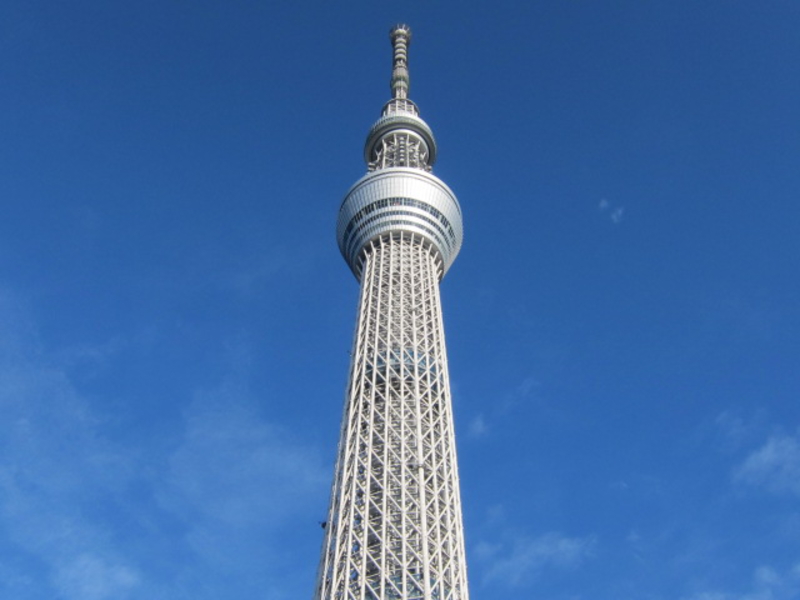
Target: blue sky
{"type": "Point", "coordinates": [622, 322]}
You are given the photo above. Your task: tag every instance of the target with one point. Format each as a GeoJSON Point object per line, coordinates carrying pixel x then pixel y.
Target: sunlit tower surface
{"type": "Point", "coordinates": [394, 527]}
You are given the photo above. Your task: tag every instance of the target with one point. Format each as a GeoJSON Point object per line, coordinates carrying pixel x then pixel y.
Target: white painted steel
{"type": "Point", "coordinates": [397, 116]}
{"type": "Point", "coordinates": [394, 528]}
{"type": "Point", "coordinates": [399, 199]}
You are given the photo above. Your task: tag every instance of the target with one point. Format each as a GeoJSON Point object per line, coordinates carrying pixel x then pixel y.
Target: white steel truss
{"type": "Point", "coordinates": [394, 528]}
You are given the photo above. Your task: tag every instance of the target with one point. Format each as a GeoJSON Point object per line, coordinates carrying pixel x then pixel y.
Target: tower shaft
{"type": "Point", "coordinates": [394, 527]}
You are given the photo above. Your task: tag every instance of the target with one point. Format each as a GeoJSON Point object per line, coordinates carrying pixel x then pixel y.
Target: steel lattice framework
{"type": "Point", "coordinates": [394, 527]}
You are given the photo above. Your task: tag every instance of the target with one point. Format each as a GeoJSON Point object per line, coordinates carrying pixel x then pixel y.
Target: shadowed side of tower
{"type": "Point", "coordinates": [394, 527]}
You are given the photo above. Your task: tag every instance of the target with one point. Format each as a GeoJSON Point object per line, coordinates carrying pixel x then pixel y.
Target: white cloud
{"type": "Point", "coordinates": [733, 430]}
{"type": "Point", "coordinates": [767, 584]}
{"type": "Point", "coordinates": [236, 465]}
{"type": "Point", "coordinates": [88, 577]}
{"type": "Point", "coordinates": [525, 558]}
{"type": "Point", "coordinates": [775, 466]}
{"type": "Point", "coordinates": [731, 425]}
{"type": "Point", "coordinates": [56, 469]}
{"type": "Point", "coordinates": [615, 213]}
{"type": "Point", "coordinates": [86, 516]}
{"type": "Point", "coordinates": [766, 576]}
{"type": "Point", "coordinates": [486, 550]}
{"type": "Point", "coordinates": [235, 475]}
{"type": "Point", "coordinates": [478, 426]}
{"type": "Point", "coordinates": [496, 515]}
{"type": "Point", "coordinates": [523, 392]}
{"type": "Point", "coordinates": [263, 270]}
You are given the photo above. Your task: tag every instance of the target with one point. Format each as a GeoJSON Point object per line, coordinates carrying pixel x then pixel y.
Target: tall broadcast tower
{"type": "Point", "coordinates": [394, 526]}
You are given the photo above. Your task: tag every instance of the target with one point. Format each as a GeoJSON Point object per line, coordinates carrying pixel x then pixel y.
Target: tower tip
{"type": "Point", "coordinates": [400, 35]}
{"type": "Point", "coordinates": [400, 29]}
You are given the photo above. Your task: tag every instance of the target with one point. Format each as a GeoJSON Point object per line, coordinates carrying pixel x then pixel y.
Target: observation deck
{"type": "Point", "coordinates": [399, 193]}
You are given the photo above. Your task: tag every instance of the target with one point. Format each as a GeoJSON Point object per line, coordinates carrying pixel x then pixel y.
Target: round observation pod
{"type": "Point", "coordinates": [394, 200]}
{"type": "Point", "coordinates": [400, 117]}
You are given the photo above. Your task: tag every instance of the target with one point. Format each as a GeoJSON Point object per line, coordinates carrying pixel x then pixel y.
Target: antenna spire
{"type": "Point", "coordinates": [401, 38]}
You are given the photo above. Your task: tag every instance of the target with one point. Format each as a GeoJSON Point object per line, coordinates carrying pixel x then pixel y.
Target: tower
{"type": "Point", "coordinates": [394, 528]}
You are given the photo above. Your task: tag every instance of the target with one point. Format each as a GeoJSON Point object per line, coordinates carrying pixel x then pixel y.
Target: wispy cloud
{"type": "Point", "coordinates": [775, 466]}
{"type": "Point", "coordinates": [524, 391]}
{"type": "Point", "coordinates": [252, 277]}
{"type": "Point", "coordinates": [84, 516]}
{"type": "Point", "coordinates": [478, 426]}
{"type": "Point", "coordinates": [735, 429]}
{"type": "Point", "coordinates": [235, 478]}
{"type": "Point", "coordinates": [768, 583]}
{"type": "Point", "coordinates": [524, 558]}
{"type": "Point", "coordinates": [91, 577]}
{"type": "Point", "coordinates": [481, 424]}
{"type": "Point", "coordinates": [614, 212]}
{"type": "Point", "coordinates": [732, 427]}
{"type": "Point", "coordinates": [57, 469]}
{"type": "Point", "coordinates": [510, 557]}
